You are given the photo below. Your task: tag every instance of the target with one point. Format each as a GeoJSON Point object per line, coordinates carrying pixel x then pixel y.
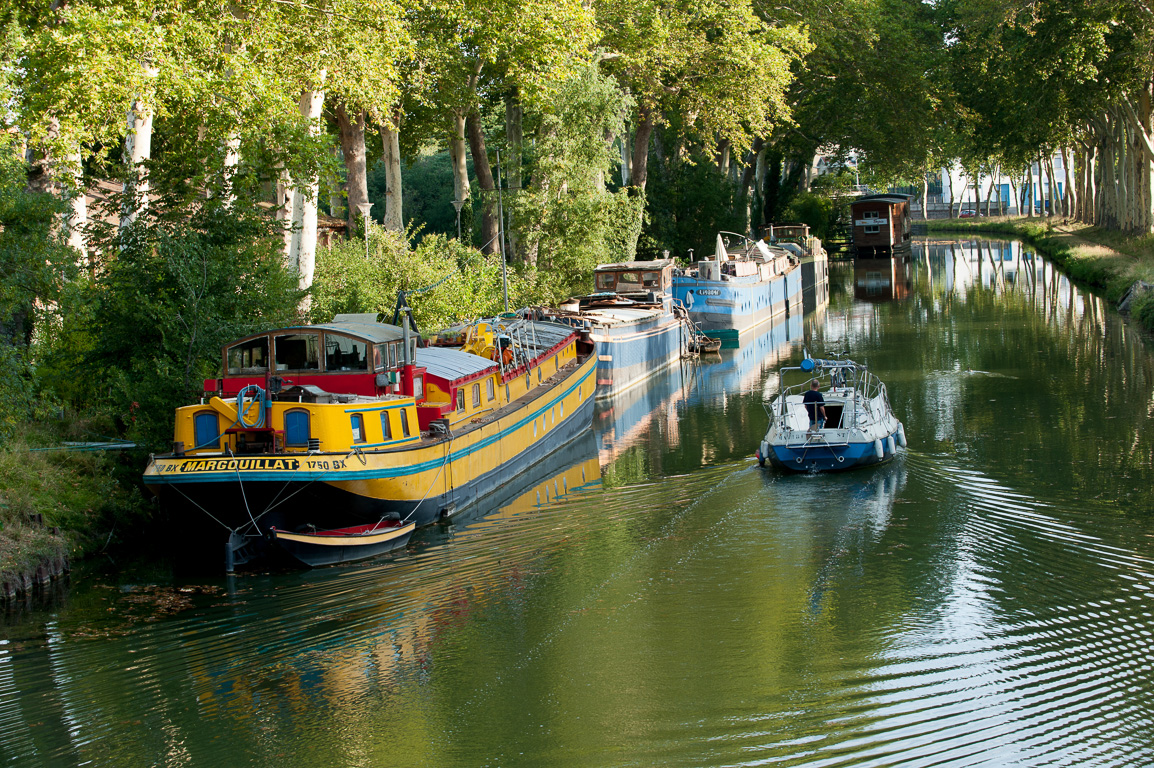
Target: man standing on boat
{"type": "Point", "coordinates": [815, 405]}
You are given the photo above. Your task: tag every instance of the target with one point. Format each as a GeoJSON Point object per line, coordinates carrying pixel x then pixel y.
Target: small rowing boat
{"type": "Point", "coordinates": [859, 427]}
{"type": "Point", "coordinates": [343, 545]}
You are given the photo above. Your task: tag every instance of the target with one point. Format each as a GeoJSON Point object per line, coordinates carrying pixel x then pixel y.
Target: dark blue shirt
{"type": "Point", "coordinates": [812, 399]}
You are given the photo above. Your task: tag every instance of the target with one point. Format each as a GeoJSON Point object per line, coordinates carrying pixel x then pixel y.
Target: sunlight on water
{"type": "Point", "coordinates": [655, 598]}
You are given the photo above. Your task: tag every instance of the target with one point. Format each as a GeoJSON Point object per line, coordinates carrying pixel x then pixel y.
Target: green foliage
{"type": "Point", "coordinates": [174, 289]}
{"type": "Point", "coordinates": [567, 214]}
{"type": "Point", "coordinates": [445, 280]}
{"type": "Point", "coordinates": [818, 211]}
{"type": "Point", "coordinates": [427, 192]}
{"type": "Point", "coordinates": [33, 265]}
{"type": "Point", "coordinates": [689, 203]}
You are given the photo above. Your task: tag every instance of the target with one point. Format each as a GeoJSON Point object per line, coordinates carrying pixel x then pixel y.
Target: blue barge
{"type": "Point", "coordinates": [733, 293]}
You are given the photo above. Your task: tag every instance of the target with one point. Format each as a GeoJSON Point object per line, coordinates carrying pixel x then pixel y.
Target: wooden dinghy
{"type": "Point", "coordinates": [342, 545]}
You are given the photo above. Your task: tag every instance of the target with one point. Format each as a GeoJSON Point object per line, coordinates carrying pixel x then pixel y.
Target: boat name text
{"type": "Point", "coordinates": [232, 465]}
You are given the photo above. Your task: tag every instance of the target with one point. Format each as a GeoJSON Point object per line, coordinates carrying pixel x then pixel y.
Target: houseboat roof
{"type": "Point", "coordinates": [626, 265]}
{"type": "Point", "coordinates": [889, 197]}
{"type": "Point", "coordinates": [451, 364]}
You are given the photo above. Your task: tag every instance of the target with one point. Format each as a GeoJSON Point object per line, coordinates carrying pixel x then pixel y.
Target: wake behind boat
{"type": "Point", "coordinates": [859, 429]}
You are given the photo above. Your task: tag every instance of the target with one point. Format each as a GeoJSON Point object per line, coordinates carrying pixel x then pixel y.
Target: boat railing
{"type": "Point", "coordinates": [846, 377]}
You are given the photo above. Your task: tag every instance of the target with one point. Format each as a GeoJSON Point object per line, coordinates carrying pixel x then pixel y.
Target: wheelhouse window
{"type": "Point", "coordinates": [207, 428]}
{"type": "Point", "coordinates": [344, 353]}
{"type": "Point", "coordinates": [297, 352]}
{"type": "Point", "coordinates": [628, 281]}
{"type": "Point", "coordinates": [386, 426]}
{"type": "Point", "coordinates": [248, 357]}
{"type": "Point", "coordinates": [296, 427]}
{"type": "Point", "coordinates": [358, 425]}
{"type": "Point", "coordinates": [477, 395]}
{"type": "Point", "coordinates": [461, 399]}
{"type": "Point", "coordinates": [405, 422]}
{"type": "Point", "coordinates": [418, 387]}
{"type": "Point", "coordinates": [871, 229]}
{"type": "Point", "coordinates": [651, 279]}
{"type": "Point", "coordinates": [606, 281]}
{"type": "Point", "coordinates": [490, 389]}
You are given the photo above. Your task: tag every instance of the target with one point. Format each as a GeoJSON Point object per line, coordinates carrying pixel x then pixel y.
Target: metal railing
{"type": "Point", "coordinates": [863, 388]}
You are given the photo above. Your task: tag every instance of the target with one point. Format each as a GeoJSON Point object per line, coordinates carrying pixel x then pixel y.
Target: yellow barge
{"type": "Point", "coordinates": [341, 424]}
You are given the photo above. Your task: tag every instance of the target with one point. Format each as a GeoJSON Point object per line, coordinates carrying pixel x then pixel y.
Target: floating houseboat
{"type": "Point", "coordinates": [631, 319]}
{"type": "Point", "coordinates": [344, 424]}
{"type": "Point", "coordinates": [739, 288]}
{"type": "Point", "coordinates": [881, 225]}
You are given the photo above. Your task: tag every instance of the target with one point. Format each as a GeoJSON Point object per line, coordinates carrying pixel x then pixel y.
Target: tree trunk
{"type": "Point", "coordinates": [64, 180]}
{"type": "Point", "coordinates": [484, 173]}
{"type": "Point", "coordinates": [1068, 198]}
{"type": "Point", "coordinates": [391, 140]}
{"type": "Point", "coordinates": [304, 243]}
{"type": "Point", "coordinates": [626, 158]}
{"type": "Point", "coordinates": [231, 163]}
{"type": "Point", "coordinates": [925, 195]}
{"type": "Point", "coordinates": [1014, 195]}
{"type": "Point", "coordinates": [137, 153]}
{"type": "Point", "coordinates": [338, 190]}
{"type": "Point", "coordinates": [723, 150]}
{"type": "Point", "coordinates": [641, 148]}
{"type": "Point", "coordinates": [285, 212]}
{"type": "Point", "coordinates": [352, 136]}
{"type": "Point", "coordinates": [514, 136]}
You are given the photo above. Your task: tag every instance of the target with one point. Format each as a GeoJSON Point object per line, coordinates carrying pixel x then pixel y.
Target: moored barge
{"type": "Point", "coordinates": [347, 423]}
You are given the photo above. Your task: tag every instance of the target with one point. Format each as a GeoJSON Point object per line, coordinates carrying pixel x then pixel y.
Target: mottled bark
{"type": "Point", "coordinates": [641, 148]}
{"type": "Point", "coordinates": [351, 128]}
{"type": "Point", "coordinates": [137, 153]}
{"type": "Point", "coordinates": [723, 150]}
{"type": "Point", "coordinates": [514, 136]}
{"type": "Point", "coordinates": [485, 181]}
{"type": "Point", "coordinates": [457, 158]}
{"type": "Point", "coordinates": [304, 243]}
{"type": "Point", "coordinates": [391, 143]}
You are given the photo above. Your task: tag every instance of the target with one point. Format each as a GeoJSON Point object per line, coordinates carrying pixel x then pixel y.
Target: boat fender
{"type": "Point", "coordinates": [760, 458]}
{"type": "Point", "coordinates": [901, 435]}
{"type": "Point", "coordinates": [890, 445]}
{"type": "Point", "coordinates": [879, 450]}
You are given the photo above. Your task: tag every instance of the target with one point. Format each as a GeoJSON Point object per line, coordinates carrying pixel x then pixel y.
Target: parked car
{"type": "Point", "coordinates": [969, 214]}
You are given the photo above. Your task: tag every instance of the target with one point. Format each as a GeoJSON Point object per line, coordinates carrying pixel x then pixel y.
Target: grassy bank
{"type": "Point", "coordinates": [61, 503]}
{"type": "Point", "coordinates": [1103, 259]}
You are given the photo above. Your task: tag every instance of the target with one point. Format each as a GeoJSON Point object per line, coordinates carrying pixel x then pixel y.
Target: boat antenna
{"type": "Point", "coordinates": [501, 235]}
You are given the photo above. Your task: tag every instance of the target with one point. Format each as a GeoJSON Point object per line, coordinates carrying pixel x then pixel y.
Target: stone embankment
{"type": "Point", "coordinates": [24, 584]}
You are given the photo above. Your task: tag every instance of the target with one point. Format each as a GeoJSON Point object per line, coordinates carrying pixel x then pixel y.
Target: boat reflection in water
{"type": "Point", "coordinates": [385, 619]}
{"type": "Point", "coordinates": [653, 414]}
{"type": "Point", "coordinates": [572, 466]}
{"type": "Point", "coordinates": [881, 279]}
{"type": "Point", "coordinates": [855, 525]}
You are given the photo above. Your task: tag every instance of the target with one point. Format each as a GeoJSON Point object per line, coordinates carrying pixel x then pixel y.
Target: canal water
{"type": "Point", "coordinates": [658, 599]}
